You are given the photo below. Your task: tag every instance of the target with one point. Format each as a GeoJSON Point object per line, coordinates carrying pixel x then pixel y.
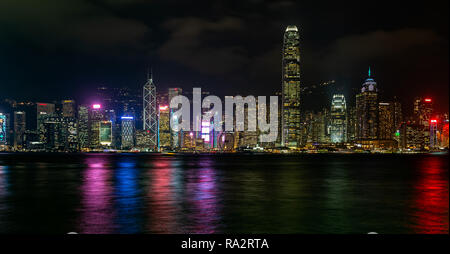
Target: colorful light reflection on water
{"type": "Point", "coordinates": [120, 193]}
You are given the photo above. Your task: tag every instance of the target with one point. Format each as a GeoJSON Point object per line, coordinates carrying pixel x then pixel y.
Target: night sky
{"type": "Point", "coordinates": [53, 49]}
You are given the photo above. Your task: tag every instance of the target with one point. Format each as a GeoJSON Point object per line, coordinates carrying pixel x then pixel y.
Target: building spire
{"type": "Point", "coordinates": [369, 72]}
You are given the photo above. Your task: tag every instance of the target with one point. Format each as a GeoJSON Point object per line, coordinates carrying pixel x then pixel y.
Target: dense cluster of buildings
{"type": "Point", "coordinates": [125, 120]}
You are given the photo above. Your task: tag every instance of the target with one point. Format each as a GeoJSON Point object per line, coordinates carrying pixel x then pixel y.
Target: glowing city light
{"type": "Point", "coordinates": [428, 100]}
{"type": "Point", "coordinates": [163, 108]}
{"type": "Point", "coordinates": [433, 121]}
{"type": "Point", "coordinates": [127, 118]}
{"type": "Point", "coordinates": [96, 106]}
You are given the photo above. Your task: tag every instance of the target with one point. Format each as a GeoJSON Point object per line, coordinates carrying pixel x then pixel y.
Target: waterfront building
{"type": "Point", "coordinates": [434, 133]}
{"type": "Point", "coordinates": [164, 128]}
{"type": "Point", "coordinates": [43, 111]}
{"type": "Point", "coordinates": [96, 116]}
{"type": "Point", "coordinates": [338, 121]}
{"type": "Point", "coordinates": [367, 111]}
{"type": "Point", "coordinates": [411, 136]}
{"type": "Point", "coordinates": [105, 133]}
{"type": "Point", "coordinates": [142, 140]}
{"type": "Point", "coordinates": [386, 126]}
{"type": "Point", "coordinates": [150, 115]}
{"type": "Point", "coordinates": [3, 129]}
{"type": "Point", "coordinates": [351, 124]}
{"type": "Point", "coordinates": [83, 127]}
{"type": "Point", "coordinates": [20, 124]}
{"type": "Point", "coordinates": [176, 137]}
{"type": "Point", "coordinates": [127, 132]}
{"type": "Point", "coordinates": [291, 125]}
{"type": "Point", "coordinates": [423, 109]}
{"type": "Point", "coordinates": [68, 108]}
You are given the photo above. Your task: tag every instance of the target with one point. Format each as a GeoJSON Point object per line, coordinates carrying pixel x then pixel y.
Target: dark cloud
{"type": "Point", "coordinates": [54, 23]}
{"type": "Point", "coordinates": [194, 42]}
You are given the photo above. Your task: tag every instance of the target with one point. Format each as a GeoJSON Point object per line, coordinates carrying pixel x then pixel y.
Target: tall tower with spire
{"type": "Point", "coordinates": [150, 113]}
{"type": "Point", "coordinates": [290, 118]}
{"type": "Point", "coordinates": [367, 110]}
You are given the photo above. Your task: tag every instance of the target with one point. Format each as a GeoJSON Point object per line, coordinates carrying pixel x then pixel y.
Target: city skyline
{"type": "Point", "coordinates": [408, 52]}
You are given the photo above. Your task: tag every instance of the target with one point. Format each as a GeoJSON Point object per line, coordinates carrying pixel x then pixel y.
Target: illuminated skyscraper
{"type": "Point", "coordinates": [164, 127]}
{"type": "Point", "coordinates": [83, 127]}
{"type": "Point", "coordinates": [338, 125]}
{"type": "Point", "coordinates": [127, 134]}
{"type": "Point", "coordinates": [96, 116]}
{"type": "Point", "coordinates": [19, 129]}
{"type": "Point", "coordinates": [3, 129]}
{"type": "Point", "coordinates": [423, 109]}
{"type": "Point", "coordinates": [176, 137]}
{"type": "Point", "coordinates": [150, 112]}
{"type": "Point", "coordinates": [43, 111]}
{"type": "Point", "coordinates": [386, 122]}
{"type": "Point", "coordinates": [433, 134]}
{"type": "Point", "coordinates": [68, 108]}
{"type": "Point", "coordinates": [290, 133]}
{"type": "Point", "coordinates": [367, 111]}
{"type": "Point", "coordinates": [105, 133]}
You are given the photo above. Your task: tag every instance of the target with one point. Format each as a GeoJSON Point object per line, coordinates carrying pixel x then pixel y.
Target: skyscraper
{"type": "Point", "coordinates": [83, 127]}
{"type": "Point", "coordinates": [386, 121]}
{"type": "Point", "coordinates": [127, 134]}
{"type": "Point", "coordinates": [290, 130]}
{"type": "Point", "coordinates": [96, 116]}
{"type": "Point", "coordinates": [367, 111]}
{"type": "Point", "coordinates": [176, 137]}
{"type": "Point", "coordinates": [3, 129]}
{"type": "Point", "coordinates": [150, 112]}
{"type": "Point", "coordinates": [68, 108]}
{"type": "Point", "coordinates": [43, 111]}
{"type": "Point", "coordinates": [19, 129]}
{"type": "Point", "coordinates": [338, 130]}
{"type": "Point", "coordinates": [164, 127]}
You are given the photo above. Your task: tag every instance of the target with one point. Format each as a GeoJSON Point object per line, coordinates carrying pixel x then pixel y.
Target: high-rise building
{"type": "Point", "coordinates": [433, 133]}
{"type": "Point", "coordinates": [83, 127]}
{"type": "Point", "coordinates": [176, 137]}
{"type": "Point", "coordinates": [96, 116]}
{"type": "Point", "coordinates": [105, 134]}
{"type": "Point", "coordinates": [338, 121]}
{"type": "Point", "coordinates": [351, 124]}
{"type": "Point", "coordinates": [127, 134]}
{"type": "Point", "coordinates": [19, 129]}
{"type": "Point", "coordinates": [367, 111]}
{"type": "Point", "coordinates": [398, 114]}
{"type": "Point", "coordinates": [43, 111]}
{"type": "Point", "coordinates": [164, 127]}
{"type": "Point", "coordinates": [411, 136]}
{"type": "Point", "coordinates": [291, 126]}
{"type": "Point", "coordinates": [142, 140]}
{"type": "Point", "coordinates": [3, 129]}
{"type": "Point", "coordinates": [68, 108]}
{"type": "Point", "coordinates": [150, 113]}
{"type": "Point", "coordinates": [386, 121]}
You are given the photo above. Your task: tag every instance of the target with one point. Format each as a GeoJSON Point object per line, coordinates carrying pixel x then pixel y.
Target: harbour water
{"type": "Point", "coordinates": [236, 193]}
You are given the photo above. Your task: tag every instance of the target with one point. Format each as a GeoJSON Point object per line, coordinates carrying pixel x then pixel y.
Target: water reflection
{"type": "Point", "coordinates": [125, 193]}
{"type": "Point", "coordinates": [3, 194]}
{"type": "Point", "coordinates": [203, 198]}
{"type": "Point", "coordinates": [162, 207]}
{"type": "Point", "coordinates": [127, 196]}
{"type": "Point", "coordinates": [97, 212]}
{"type": "Point", "coordinates": [431, 198]}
